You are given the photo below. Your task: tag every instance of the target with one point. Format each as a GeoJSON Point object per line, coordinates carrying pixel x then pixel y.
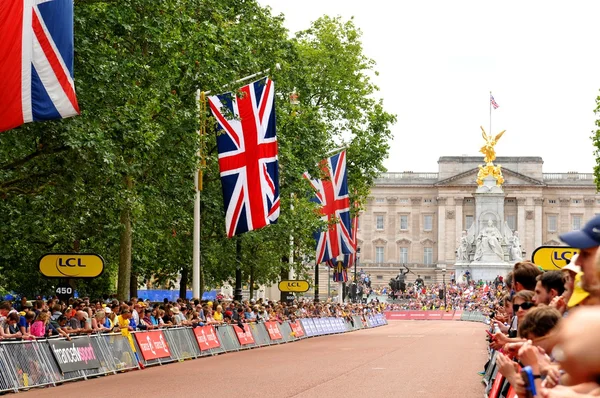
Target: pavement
{"type": "Point", "coordinates": [403, 359]}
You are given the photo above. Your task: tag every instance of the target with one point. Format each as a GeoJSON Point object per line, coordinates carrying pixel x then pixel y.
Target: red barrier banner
{"type": "Point", "coordinates": [152, 344]}
{"type": "Point", "coordinates": [457, 315]}
{"type": "Point", "coordinates": [206, 337]}
{"type": "Point", "coordinates": [244, 336]}
{"type": "Point", "coordinates": [419, 315]}
{"type": "Point", "coordinates": [496, 386]}
{"type": "Point", "coordinates": [273, 329]}
{"type": "Point", "coordinates": [297, 329]}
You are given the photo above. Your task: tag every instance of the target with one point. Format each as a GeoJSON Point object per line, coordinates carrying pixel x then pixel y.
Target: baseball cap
{"type": "Point", "coordinates": [107, 310]}
{"type": "Point", "coordinates": [585, 238]}
{"type": "Point", "coordinates": [579, 294]}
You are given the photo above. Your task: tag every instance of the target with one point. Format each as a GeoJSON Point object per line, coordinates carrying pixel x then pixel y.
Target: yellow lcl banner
{"type": "Point", "coordinates": [293, 286]}
{"type": "Point", "coordinates": [71, 265]}
{"type": "Point", "coordinates": [551, 258]}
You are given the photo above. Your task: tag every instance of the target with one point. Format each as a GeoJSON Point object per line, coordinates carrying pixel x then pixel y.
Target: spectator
{"type": "Point", "coordinates": [549, 285]}
{"type": "Point", "coordinates": [9, 328]}
{"type": "Point", "coordinates": [587, 240]}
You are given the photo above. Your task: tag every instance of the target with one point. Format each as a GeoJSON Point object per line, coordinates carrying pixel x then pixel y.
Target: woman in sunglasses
{"type": "Point", "coordinates": [522, 303]}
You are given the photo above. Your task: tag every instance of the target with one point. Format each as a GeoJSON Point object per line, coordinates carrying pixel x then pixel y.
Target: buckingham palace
{"type": "Point", "coordinates": [417, 218]}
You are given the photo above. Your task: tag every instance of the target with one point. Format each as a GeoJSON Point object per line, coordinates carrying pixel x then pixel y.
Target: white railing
{"type": "Point", "coordinates": [409, 175]}
{"type": "Point", "coordinates": [568, 176]}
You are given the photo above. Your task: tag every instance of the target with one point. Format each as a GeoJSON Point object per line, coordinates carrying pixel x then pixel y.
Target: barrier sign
{"type": "Point", "coordinates": [293, 286]}
{"type": "Point", "coordinates": [206, 337]}
{"type": "Point", "coordinates": [77, 354]}
{"type": "Point", "coordinates": [273, 329]}
{"type": "Point", "coordinates": [297, 329]}
{"type": "Point", "coordinates": [64, 292]}
{"type": "Point", "coordinates": [244, 335]}
{"type": "Point", "coordinates": [551, 258]}
{"type": "Point", "coordinates": [71, 265]}
{"type": "Point", "coordinates": [152, 344]}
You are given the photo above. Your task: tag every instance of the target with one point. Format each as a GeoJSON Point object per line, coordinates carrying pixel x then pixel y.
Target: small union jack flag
{"type": "Point", "coordinates": [332, 193]}
{"type": "Point", "coordinates": [36, 61]}
{"type": "Point", "coordinates": [248, 156]}
{"type": "Point", "coordinates": [493, 102]}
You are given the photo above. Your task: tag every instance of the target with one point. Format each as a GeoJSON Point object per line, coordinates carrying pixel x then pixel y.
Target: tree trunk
{"type": "Point", "coordinates": [133, 285]}
{"type": "Point", "coordinates": [183, 283]}
{"type": "Point", "coordinates": [251, 281]}
{"type": "Point", "coordinates": [238, 270]}
{"type": "Point", "coordinates": [125, 243]}
{"type": "Point", "coordinates": [123, 283]}
{"type": "Point", "coordinates": [284, 275]}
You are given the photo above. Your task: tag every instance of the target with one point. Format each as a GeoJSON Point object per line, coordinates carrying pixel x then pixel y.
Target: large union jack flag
{"type": "Point", "coordinates": [340, 268]}
{"type": "Point", "coordinates": [332, 194]}
{"type": "Point", "coordinates": [248, 156]}
{"type": "Point", "coordinates": [36, 61]}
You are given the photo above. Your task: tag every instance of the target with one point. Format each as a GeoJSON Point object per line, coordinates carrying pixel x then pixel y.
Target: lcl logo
{"type": "Point", "coordinates": [69, 262]}
{"type": "Point", "coordinates": [71, 265]}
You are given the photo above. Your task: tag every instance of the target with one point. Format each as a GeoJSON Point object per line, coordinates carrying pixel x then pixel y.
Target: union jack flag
{"type": "Point", "coordinates": [248, 156]}
{"type": "Point", "coordinates": [340, 269]}
{"type": "Point", "coordinates": [332, 193]}
{"type": "Point", "coordinates": [493, 102]}
{"type": "Point", "coordinates": [36, 61]}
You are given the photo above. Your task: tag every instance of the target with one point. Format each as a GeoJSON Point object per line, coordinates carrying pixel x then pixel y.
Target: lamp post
{"type": "Point", "coordinates": [444, 282]}
{"type": "Point", "coordinates": [355, 278]}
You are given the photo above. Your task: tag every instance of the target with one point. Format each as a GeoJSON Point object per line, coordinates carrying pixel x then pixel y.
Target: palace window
{"type": "Point", "coordinates": [468, 221]}
{"type": "Point", "coordinates": [552, 223]}
{"type": "Point", "coordinates": [379, 222]}
{"type": "Point", "coordinates": [427, 222]}
{"type": "Point", "coordinates": [576, 222]}
{"type": "Point", "coordinates": [379, 254]}
{"type": "Point", "coordinates": [428, 255]}
{"type": "Point", "coordinates": [380, 200]}
{"type": "Point", "coordinates": [404, 255]}
{"type": "Point", "coordinates": [403, 222]}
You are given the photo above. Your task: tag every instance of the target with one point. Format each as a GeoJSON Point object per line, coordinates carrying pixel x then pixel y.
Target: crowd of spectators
{"type": "Point", "coordinates": [544, 326]}
{"type": "Point", "coordinates": [472, 296]}
{"type": "Point", "coordinates": [46, 318]}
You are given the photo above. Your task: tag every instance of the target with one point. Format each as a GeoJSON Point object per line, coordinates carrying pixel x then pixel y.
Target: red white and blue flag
{"type": "Point", "coordinates": [340, 269]}
{"type": "Point", "coordinates": [36, 61]}
{"type": "Point", "coordinates": [248, 162]}
{"type": "Point", "coordinates": [332, 194]}
{"type": "Point", "coordinates": [493, 102]}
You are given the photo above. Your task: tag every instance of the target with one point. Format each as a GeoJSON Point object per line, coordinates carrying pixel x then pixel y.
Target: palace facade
{"type": "Point", "coordinates": [417, 218]}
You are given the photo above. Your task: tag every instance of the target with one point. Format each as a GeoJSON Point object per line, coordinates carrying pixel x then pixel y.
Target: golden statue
{"type": "Point", "coordinates": [489, 156]}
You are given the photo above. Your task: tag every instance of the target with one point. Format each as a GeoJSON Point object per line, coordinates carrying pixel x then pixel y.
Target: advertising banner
{"type": "Point", "coordinates": [77, 354]}
{"type": "Point", "coordinates": [420, 315]}
{"type": "Point", "coordinates": [153, 344]}
{"type": "Point", "coordinates": [273, 329]}
{"type": "Point", "coordinates": [308, 326]}
{"type": "Point", "coordinates": [206, 337]}
{"type": "Point", "coordinates": [244, 336]}
{"type": "Point", "coordinates": [297, 329]}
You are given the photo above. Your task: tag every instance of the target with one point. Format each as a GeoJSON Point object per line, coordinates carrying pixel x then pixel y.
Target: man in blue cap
{"type": "Point", "coordinates": [587, 240]}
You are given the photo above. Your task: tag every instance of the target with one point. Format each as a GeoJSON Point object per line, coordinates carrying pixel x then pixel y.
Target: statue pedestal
{"type": "Point", "coordinates": [489, 206]}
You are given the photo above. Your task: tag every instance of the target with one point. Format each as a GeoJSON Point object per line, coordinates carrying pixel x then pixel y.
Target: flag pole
{"type": "Point", "coordinates": [243, 79]}
{"type": "Point", "coordinates": [490, 103]}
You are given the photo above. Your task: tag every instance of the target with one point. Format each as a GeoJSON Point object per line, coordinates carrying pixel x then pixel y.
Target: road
{"type": "Point", "coordinates": [404, 359]}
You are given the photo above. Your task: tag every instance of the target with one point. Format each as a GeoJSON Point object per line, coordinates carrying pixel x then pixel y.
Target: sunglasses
{"type": "Point", "coordinates": [525, 306]}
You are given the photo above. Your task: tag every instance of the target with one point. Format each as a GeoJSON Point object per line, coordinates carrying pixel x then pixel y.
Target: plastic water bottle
{"type": "Point", "coordinates": [496, 328]}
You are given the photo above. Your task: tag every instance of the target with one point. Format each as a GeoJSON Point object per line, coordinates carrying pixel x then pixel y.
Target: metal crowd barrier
{"type": "Point", "coordinates": [28, 364]}
{"type": "Point", "coordinates": [473, 316]}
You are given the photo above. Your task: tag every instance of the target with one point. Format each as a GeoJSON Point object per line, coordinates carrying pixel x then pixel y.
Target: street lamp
{"type": "Point", "coordinates": [444, 282]}
{"type": "Point", "coordinates": [355, 278]}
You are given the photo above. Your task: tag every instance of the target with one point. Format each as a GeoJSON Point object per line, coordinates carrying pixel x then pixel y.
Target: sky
{"type": "Point", "coordinates": [438, 60]}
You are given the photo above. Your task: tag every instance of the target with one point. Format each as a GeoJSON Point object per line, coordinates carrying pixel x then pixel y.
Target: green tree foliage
{"type": "Point", "coordinates": [118, 180]}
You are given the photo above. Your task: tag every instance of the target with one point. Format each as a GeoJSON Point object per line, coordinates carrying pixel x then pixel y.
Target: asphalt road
{"type": "Point", "coordinates": [403, 359]}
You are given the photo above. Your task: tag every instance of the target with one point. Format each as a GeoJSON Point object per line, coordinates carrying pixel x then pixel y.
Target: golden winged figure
{"type": "Point", "coordinates": [488, 149]}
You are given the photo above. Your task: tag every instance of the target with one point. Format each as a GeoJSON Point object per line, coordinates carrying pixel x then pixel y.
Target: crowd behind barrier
{"type": "Point", "coordinates": [26, 364]}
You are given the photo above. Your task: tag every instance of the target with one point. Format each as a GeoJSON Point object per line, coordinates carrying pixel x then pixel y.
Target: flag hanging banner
{"type": "Point", "coordinates": [493, 102]}
{"type": "Point", "coordinates": [340, 269]}
{"type": "Point", "coordinates": [36, 61]}
{"type": "Point", "coordinates": [332, 194]}
{"type": "Point", "coordinates": [248, 162]}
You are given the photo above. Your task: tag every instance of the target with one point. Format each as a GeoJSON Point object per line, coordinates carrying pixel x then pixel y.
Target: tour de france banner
{"type": "Point", "coordinates": [297, 329]}
{"type": "Point", "coordinates": [244, 335]}
{"type": "Point", "coordinates": [152, 344]}
{"type": "Point", "coordinates": [273, 330]}
{"type": "Point", "coordinates": [77, 354]}
{"type": "Point", "coordinates": [206, 337]}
